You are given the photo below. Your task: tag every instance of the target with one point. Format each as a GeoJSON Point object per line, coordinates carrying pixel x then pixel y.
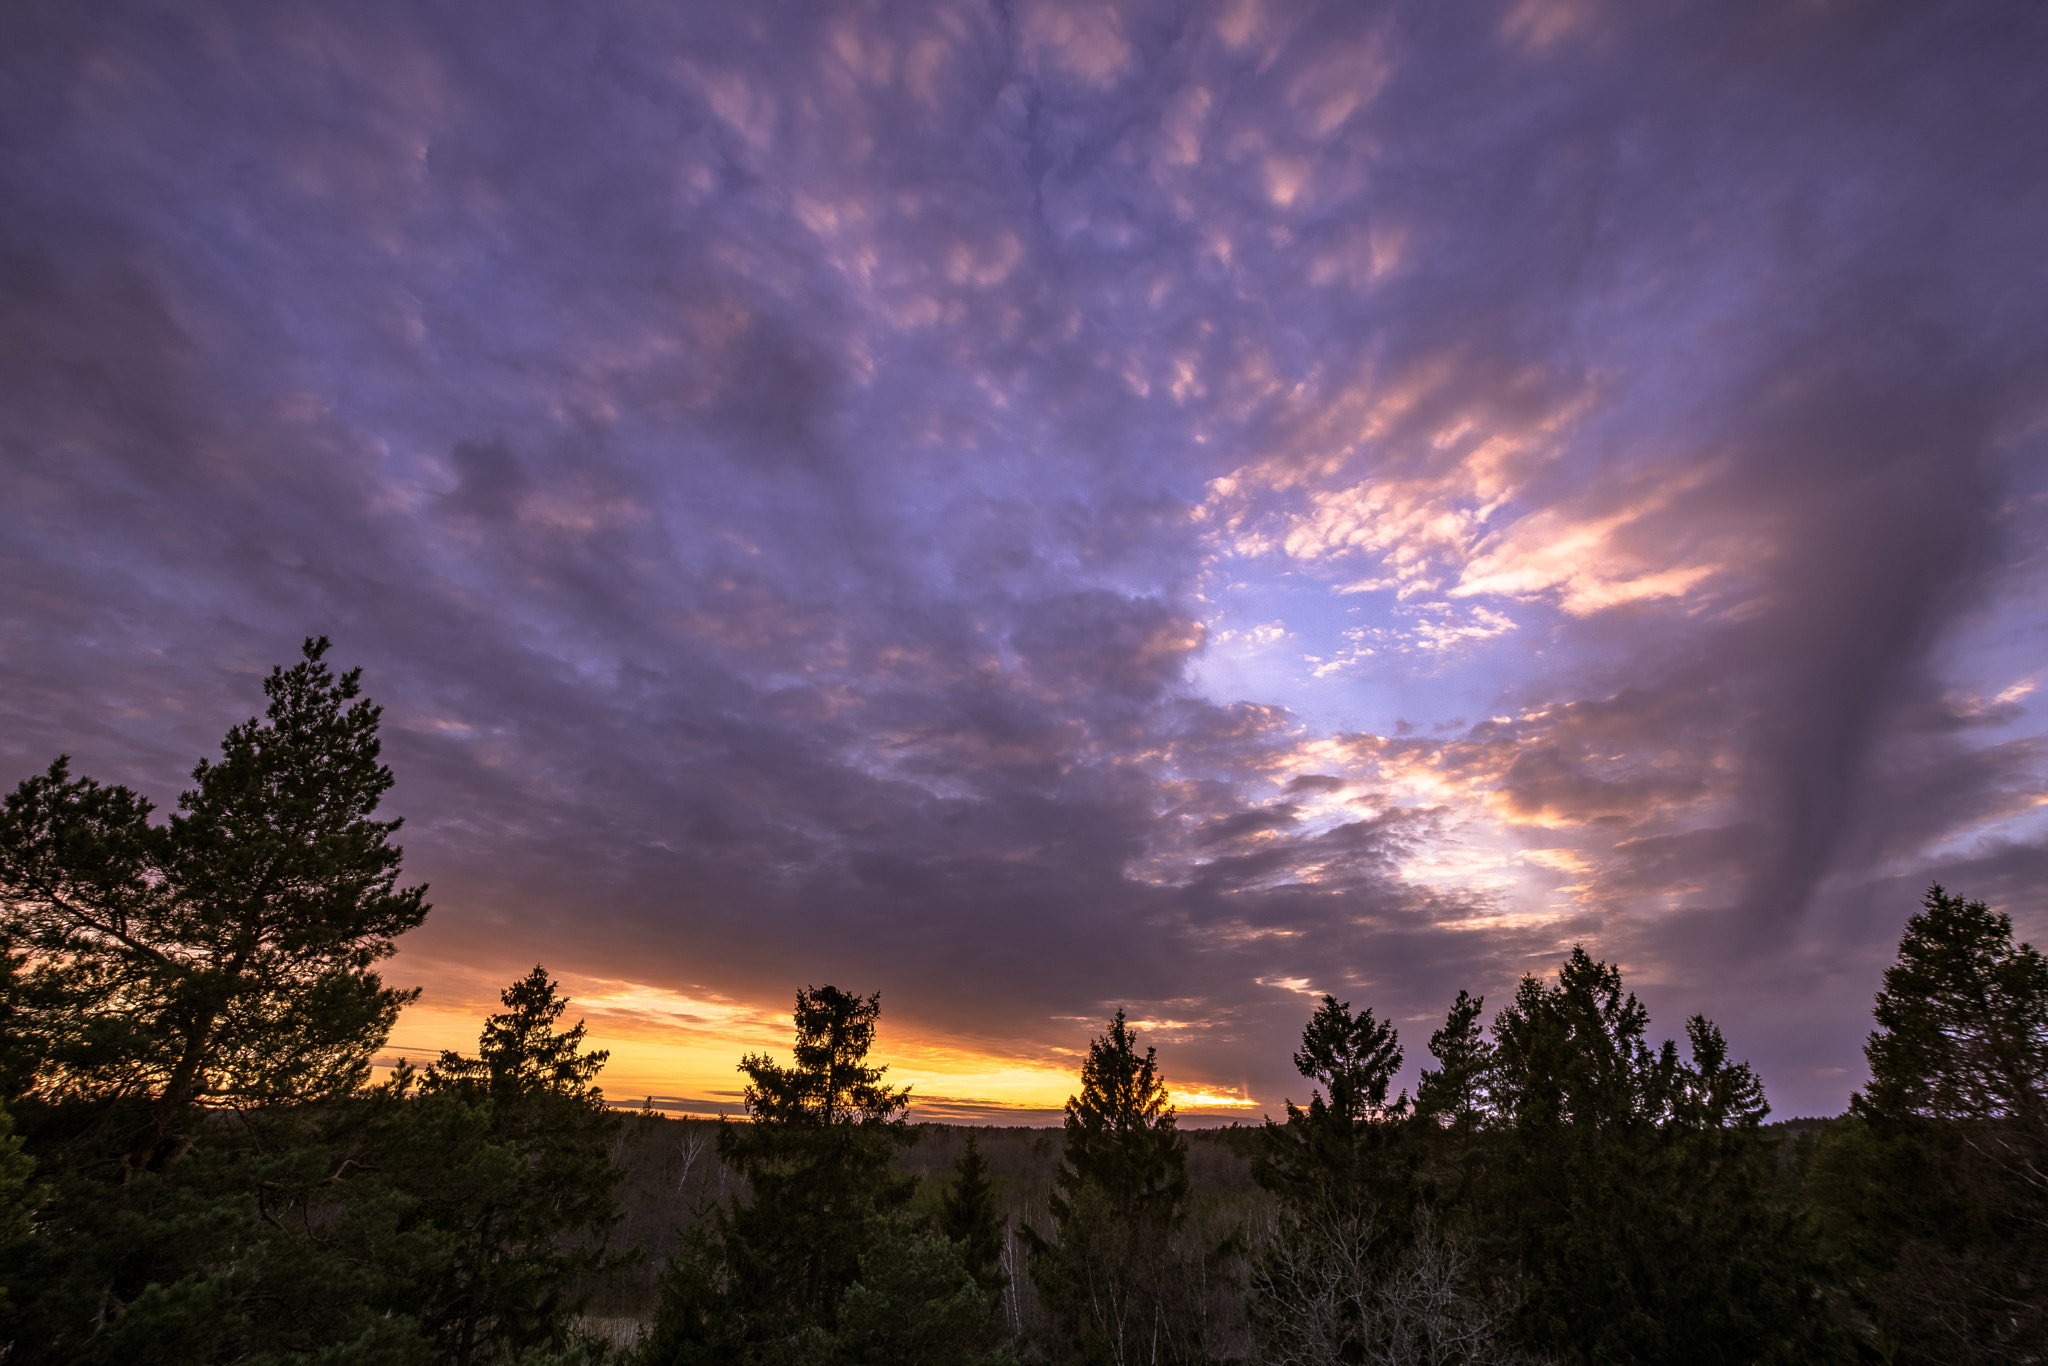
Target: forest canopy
{"type": "Point", "coordinates": [198, 1165]}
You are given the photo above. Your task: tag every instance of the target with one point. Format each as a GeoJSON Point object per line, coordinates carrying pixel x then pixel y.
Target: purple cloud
{"type": "Point", "coordinates": [1038, 507]}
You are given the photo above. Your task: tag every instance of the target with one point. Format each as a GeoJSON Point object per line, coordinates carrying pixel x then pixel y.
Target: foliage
{"type": "Point", "coordinates": [1334, 1146]}
{"type": "Point", "coordinates": [817, 1158]}
{"type": "Point", "coordinates": [1962, 1022]}
{"type": "Point", "coordinates": [1932, 1194]}
{"type": "Point", "coordinates": [1632, 1188]}
{"type": "Point", "coordinates": [188, 1010]}
{"type": "Point", "coordinates": [1457, 1092]}
{"type": "Point", "coordinates": [916, 1303]}
{"type": "Point", "coordinates": [1563, 1185]}
{"type": "Point", "coordinates": [19, 1196]}
{"type": "Point", "coordinates": [1355, 1266]}
{"type": "Point", "coordinates": [531, 1239]}
{"type": "Point", "coordinates": [820, 1264]}
{"type": "Point", "coordinates": [251, 1247]}
{"type": "Point", "coordinates": [521, 1056]}
{"type": "Point", "coordinates": [441, 1227]}
{"type": "Point", "coordinates": [1118, 1274]}
{"type": "Point", "coordinates": [222, 958]}
{"type": "Point", "coordinates": [968, 1217]}
{"type": "Point", "coordinates": [1121, 1140]}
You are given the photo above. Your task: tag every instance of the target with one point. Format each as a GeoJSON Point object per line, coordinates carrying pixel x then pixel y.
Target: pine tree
{"type": "Point", "coordinates": [226, 956]}
{"type": "Point", "coordinates": [190, 1009]}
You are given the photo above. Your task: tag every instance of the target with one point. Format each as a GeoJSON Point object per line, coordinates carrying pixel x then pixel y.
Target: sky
{"type": "Point", "coordinates": [1037, 508]}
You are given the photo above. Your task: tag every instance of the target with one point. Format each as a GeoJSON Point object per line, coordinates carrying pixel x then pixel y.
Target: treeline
{"type": "Point", "coordinates": [196, 1167]}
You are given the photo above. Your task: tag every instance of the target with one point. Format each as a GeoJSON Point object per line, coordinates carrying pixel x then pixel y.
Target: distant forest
{"type": "Point", "coordinates": [196, 1166]}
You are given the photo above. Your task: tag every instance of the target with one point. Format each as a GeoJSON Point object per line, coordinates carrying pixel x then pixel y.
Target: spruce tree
{"type": "Point", "coordinates": [1350, 1061]}
{"type": "Point", "coordinates": [969, 1217]}
{"type": "Point", "coordinates": [529, 1242]}
{"type": "Point", "coordinates": [1962, 1023]}
{"type": "Point", "coordinates": [1629, 1192]}
{"type": "Point", "coordinates": [1456, 1092]}
{"type": "Point", "coordinates": [817, 1156]}
{"type": "Point", "coordinates": [1113, 1273]}
{"type": "Point", "coordinates": [1122, 1145]}
{"type": "Point", "coordinates": [769, 1271]}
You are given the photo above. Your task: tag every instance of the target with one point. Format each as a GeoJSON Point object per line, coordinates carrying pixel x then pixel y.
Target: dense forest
{"type": "Point", "coordinates": [196, 1165]}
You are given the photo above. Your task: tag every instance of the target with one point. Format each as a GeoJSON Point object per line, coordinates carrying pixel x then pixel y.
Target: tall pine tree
{"type": "Point", "coordinates": [190, 1008]}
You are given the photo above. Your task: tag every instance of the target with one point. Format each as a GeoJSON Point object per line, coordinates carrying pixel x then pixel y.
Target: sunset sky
{"type": "Point", "coordinates": [1035, 507]}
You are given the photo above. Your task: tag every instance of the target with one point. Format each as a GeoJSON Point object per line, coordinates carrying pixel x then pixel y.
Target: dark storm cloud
{"type": "Point", "coordinates": [780, 466]}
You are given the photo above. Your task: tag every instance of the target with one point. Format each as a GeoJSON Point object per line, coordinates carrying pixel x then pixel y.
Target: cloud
{"type": "Point", "coordinates": [1040, 509]}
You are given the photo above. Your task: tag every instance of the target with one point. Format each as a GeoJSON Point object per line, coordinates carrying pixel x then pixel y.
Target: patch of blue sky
{"type": "Point", "coordinates": [1365, 662]}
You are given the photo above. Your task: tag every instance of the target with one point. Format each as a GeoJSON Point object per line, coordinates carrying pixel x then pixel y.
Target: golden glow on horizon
{"type": "Point", "coordinates": [687, 1048]}
{"type": "Point", "coordinates": [1208, 1100]}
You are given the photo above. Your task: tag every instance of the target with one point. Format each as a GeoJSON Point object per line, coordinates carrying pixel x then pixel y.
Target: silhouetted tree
{"type": "Point", "coordinates": [1457, 1092]}
{"type": "Point", "coordinates": [1323, 1147]}
{"type": "Point", "coordinates": [820, 1257]}
{"type": "Point", "coordinates": [186, 1007]}
{"type": "Point", "coordinates": [1935, 1192]}
{"type": "Point", "coordinates": [817, 1156]}
{"type": "Point", "coordinates": [1629, 1189]}
{"type": "Point", "coordinates": [1117, 1275]}
{"type": "Point", "coordinates": [1121, 1139]}
{"type": "Point", "coordinates": [224, 957]}
{"type": "Point", "coordinates": [1962, 1024]}
{"type": "Point", "coordinates": [526, 1244]}
{"type": "Point", "coordinates": [1354, 1266]}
